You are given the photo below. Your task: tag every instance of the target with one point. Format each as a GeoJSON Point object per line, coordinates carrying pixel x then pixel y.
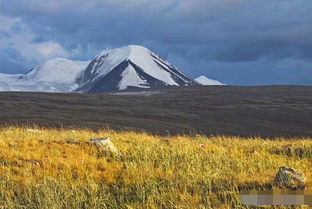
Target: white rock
{"type": "Point", "coordinates": [105, 144]}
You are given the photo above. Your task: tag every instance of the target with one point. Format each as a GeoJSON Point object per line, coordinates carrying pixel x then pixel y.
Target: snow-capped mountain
{"type": "Point", "coordinates": [130, 67]}
{"type": "Point", "coordinates": [58, 70]}
{"type": "Point", "coordinates": [116, 69]}
{"type": "Point", "coordinates": [203, 80]}
{"type": "Point", "coordinates": [56, 75]}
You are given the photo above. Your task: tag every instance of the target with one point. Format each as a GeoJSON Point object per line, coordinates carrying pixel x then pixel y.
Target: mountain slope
{"type": "Point", "coordinates": [130, 67]}
{"type": "Point", "coordinates": [56, 75]}
{"type": "Point", "coordinates": [58, 70]}
{"type": "Point", "coordinates": [203, 80]}
{"type": "Point", "coordinates": [6, 80]}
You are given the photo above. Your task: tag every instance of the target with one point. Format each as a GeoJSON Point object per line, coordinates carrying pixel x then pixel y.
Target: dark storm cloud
{"type": "Point", "coordinates": [200, 36]}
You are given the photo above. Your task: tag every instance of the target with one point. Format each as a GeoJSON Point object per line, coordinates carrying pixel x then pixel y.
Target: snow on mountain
{"type": "Point", "coordinates": [58, 70]}
{"type": "Point", "coordinates": [203, 80]}
{"type": "Point", "coordinates": [56, 75]}
{"type": "Point", "coordinates": [130, 78]}
{"type": "Point", "coordinates": [116, 69]}
{"type": "Point", "coordinates": [7, 79]}
{"type": "Point", "coordinates": [128, 67]}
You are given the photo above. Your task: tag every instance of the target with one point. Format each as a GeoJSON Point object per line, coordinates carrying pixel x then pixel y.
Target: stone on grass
{"type": "Point", "coordinates": [104, 144]}
{"type": "Point", "coordinates": [290, 178]}
{"type": "Point", "coordinates": [72, 141]}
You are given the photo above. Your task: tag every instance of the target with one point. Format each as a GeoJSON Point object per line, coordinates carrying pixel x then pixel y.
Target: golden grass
{"type": "Point", "coordinates": [38, 169]}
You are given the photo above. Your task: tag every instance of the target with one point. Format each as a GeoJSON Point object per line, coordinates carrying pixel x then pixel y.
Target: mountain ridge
{"type": "Point", "coordinates": [116, 69]}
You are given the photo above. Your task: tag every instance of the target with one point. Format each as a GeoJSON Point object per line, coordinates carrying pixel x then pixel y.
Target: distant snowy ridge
{"type": "Point", "coordinates": [58, 70]}
{"type": "Point", "coordinates": [203, 80]}
{"type": "Point", "coordinates": [56, 75]}
{"type": "Point", "coordinates": [110, 70]}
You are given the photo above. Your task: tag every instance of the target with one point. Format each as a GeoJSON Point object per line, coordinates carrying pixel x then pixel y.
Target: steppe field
{"type": "Point", "coordinates": [40, 169]}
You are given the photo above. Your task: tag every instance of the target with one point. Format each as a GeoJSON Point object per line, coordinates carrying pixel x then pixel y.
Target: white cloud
{"type": "Point", "coordinates": [22, 41]}
{"type": "Point", "coordinates": [50, 49]}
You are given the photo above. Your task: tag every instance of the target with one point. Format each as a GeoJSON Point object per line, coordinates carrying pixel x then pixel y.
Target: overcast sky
{"type": "Point", "coordinates": [241, 42]}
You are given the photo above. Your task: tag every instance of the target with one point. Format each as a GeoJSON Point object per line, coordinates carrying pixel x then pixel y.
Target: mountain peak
{"type": "Point", "coordinates": [137, 47]}
{"type": "Point", "coordinates": [126, 52]}
{"type": "Point", "coordinates": [203, 80]}
{"type": "Point", "coordinates": [131, 66]}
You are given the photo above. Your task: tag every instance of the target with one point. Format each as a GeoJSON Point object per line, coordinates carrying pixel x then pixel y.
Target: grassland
{"type": "Point", "coordinates": [39, 169]}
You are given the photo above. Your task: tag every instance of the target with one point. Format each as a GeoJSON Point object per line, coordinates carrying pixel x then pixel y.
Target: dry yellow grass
{"type": "Point", "coordinates": [38, 169]}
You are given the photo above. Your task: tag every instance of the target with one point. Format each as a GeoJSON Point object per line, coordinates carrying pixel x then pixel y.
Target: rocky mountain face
{"type": "Point", "coordinates": [130, 67]}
